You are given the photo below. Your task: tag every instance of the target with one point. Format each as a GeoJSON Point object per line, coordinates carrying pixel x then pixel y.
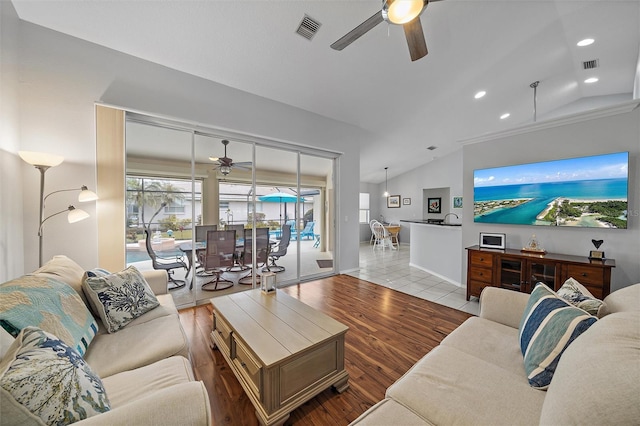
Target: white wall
{"type": "Point", "coordinates": [445, 172]}
{"type": "Point", "coordinates": [569, 138]}
{"type": "Point", "coordinates": [11, 238]}
{"type": "Point", "coordinates": [62, 77]}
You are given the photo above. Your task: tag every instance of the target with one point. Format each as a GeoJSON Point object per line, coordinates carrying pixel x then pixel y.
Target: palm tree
{"type": "Point", "coordinates": [153, 193]}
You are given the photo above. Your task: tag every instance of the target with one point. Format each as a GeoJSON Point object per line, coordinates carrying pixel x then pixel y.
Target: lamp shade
{"type": "Point", "coordinates": [76, 215]}
{"type": "Point", "coordinates": [402, 11]}
{"type": "Point", "coordinates": [41, 158]}
{"type": "Point", "coordinates": [86, 195]}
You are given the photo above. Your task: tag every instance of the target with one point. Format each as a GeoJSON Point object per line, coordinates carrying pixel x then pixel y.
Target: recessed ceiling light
{"type": "Point", "coordinates": [585, 42]}
{"type": "Point", "coordinates": [480, 94]}
{"type": "Point", "coordinates": [591, 80]}
{"type": "Point", "coordinates": [505, 115]}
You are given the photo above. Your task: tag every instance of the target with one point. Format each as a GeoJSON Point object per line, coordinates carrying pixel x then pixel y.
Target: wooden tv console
{"type": "Point", "coordinates": [515, 270]}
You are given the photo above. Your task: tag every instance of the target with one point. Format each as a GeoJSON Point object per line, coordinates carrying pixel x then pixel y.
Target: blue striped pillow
{"type": "Point", "coordinates": [549, 324]}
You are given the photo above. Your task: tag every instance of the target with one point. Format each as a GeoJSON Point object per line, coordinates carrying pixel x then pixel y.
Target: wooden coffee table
{"type": "Point", "coordinates": [282, 351]}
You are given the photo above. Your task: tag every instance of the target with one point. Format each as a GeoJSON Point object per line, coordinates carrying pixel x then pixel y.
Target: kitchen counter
{"type": "Point", "coordinates": [437, 249]}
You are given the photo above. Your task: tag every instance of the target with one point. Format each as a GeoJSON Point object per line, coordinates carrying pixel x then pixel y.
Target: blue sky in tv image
{"type": "Point", "coordinates": [607, 166]}
{"type": "Point", "coordinates": [583, 192]}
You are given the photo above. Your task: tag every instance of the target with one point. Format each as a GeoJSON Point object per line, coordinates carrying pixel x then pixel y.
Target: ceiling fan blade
{"type": "Point", "coordinates": [415, 39]}
{"type": "Point", "coordinates": [242, 164]}
{"type": "Point", "coordinates": [358, 31]}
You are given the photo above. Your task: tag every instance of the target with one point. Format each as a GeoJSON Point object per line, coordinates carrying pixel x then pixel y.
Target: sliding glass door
{"type": "Point", "coordinates": [183, 181]}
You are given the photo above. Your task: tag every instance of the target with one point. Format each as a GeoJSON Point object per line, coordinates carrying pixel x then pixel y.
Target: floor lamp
{"type": "Point", "coordinates": [43, 162]}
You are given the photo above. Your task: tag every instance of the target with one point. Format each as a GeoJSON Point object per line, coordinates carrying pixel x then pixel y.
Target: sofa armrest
{"type": "Point", "coordinates": [503, 306]}
{"type": "Point", "coordinates": [183, 404]}
{"type": "Point", "coordinates": [157, 281]}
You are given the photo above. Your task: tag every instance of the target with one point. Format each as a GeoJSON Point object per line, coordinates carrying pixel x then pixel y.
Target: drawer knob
{"type": "Point", "coordinates": [584, 274]}
{"type": "Point", "coordinates": [481, 273]}
{"type": "Point", "coordinates": [243, 364]}
{"type": "Point", "coordinates": [481, 259]}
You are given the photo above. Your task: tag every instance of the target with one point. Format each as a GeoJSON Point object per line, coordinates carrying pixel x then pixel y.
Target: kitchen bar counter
{"type": "Point", "coordinates": [437, 249]}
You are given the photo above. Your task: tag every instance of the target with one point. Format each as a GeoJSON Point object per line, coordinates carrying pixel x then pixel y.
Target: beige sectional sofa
{"type": "Point", "coordinates": [144, 367]}
{"type": "Point", "coordinates": [476, 376]}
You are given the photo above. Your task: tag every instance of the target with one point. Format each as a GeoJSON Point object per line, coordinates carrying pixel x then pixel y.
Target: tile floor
{"type": "Point", "coordinates": [390, 268]}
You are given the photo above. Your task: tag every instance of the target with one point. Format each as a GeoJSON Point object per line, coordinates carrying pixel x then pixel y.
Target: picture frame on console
{"type": "Point", "coordinates": [491, 240]}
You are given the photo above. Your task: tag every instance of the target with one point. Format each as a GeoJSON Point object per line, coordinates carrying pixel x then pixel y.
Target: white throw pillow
{"type": "Point", "coordinates": [120, 298]}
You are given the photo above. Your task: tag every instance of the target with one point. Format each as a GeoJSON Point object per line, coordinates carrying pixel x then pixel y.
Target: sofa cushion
{"type": "Point", "coordinates": [390, 412]}
{"type": "Point", "coordinates": [63, 269]}
{"type": "Point", "coordinates": [137, 346]}
{"type": "Point", "coordinates": [578, 295]}
{"type": "Point", "coordinates": [120, 297]}
{"type": "Point", "coordinates": [49, 304]}
{"type": "Point", "coordinates": [549, 324]}
{"type": "Point", "coordinates": [490, 341]}
{"type": "Point", "coordinates": [624, 299]}
{"type": "Point", "coordinates": [50, 380]}
{"type": "Point", "coordinates": [448, 386]}
{"type": "Point", "coordinates": [129, 386]}
{"type": "Point", "coordinates": [609, 393]}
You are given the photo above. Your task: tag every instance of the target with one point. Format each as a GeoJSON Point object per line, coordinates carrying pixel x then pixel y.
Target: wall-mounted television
{"type": "Point", "coordinates": [580, 192]}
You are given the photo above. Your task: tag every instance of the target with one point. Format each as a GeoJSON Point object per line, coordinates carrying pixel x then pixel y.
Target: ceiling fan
{"type": "Point", "coordinates": [225, 164]}
{"type": "Point", "coordinates": [399, 12]}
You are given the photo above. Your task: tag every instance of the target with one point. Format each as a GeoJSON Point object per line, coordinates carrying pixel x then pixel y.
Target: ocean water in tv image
{"type": "Point", "coordinates": [592, 203]}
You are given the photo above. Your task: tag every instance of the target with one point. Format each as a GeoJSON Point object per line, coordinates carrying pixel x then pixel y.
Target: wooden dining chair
{"type": "Point", "coordinates": [381, 236]}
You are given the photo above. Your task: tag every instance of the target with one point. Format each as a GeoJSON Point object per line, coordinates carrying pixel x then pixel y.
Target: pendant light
{"type": "Point", "coordinates": [386, 182]}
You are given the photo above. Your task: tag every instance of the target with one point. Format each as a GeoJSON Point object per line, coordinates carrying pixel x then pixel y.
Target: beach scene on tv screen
{"type": "Point", "coordinates": [582, 192]}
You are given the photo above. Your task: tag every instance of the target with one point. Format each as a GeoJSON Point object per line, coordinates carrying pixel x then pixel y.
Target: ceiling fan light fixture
{"type": "Point", "coordinates": [402, 11]}
{"type": "Point", "coordinates": [225, 170]}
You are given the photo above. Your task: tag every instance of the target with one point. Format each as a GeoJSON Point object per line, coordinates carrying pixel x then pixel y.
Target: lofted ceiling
{"type": "Point", "coordinates": [500, 46]}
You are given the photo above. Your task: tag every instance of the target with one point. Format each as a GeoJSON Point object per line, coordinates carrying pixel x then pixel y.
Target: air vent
{"type": "Point", "coordinates": [308, 27]}
{"type": "Point", "coordinates": [431, 148]}
{"type": "Point", "coordinates": [589, 65]}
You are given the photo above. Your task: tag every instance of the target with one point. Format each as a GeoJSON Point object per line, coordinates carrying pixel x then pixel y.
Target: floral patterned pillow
{"type": "Point", "coordinates": [50, 380]}
{"type": "Point", "coordinates": [120, 297]}
{"type": "Point", "coordinates": [578, 295]}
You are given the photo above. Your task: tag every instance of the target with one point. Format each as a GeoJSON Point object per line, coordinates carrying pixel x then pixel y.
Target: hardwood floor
{"type": "Point", "coordinates": [388, 332]}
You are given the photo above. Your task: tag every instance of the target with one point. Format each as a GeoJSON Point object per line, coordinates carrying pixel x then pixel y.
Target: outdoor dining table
{"type": "Point", "coordinates": [187, 249]}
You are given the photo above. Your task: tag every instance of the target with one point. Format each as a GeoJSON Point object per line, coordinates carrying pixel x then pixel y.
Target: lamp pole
{"type": "Point", "coordinates": [42, 169]}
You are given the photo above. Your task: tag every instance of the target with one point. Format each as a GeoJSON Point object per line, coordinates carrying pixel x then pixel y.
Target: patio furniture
{"type": "Point", "coordinates": [279, 251]}
{"type": "Point", "coordinates": [306, 232]}
{"type": "Point", "coordinates": [262, 251]}
{"type": "Point", "coordinates": [218, 258]}
{"type": "Point", "coordinates": [165, 263]}
{"type": "Point", "coordinates": [239, 230]}
{"type": "Point", "coordinates": [201, 237]}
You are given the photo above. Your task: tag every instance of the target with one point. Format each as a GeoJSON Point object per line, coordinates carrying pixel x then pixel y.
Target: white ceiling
{"type": "Point", "coordinates": [500, 46]}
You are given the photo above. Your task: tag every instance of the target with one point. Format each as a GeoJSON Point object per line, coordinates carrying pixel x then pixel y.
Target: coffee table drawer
{"type": "Point", "coordinates": [250, 369]}
{"type": "Point", "coordinates": [223, 333]}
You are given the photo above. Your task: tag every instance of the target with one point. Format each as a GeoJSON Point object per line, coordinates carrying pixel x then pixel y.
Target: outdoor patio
{"type": "Point", "coordinates": [308, 268]}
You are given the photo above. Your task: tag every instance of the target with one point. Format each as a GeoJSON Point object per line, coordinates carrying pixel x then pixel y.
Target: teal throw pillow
{"type": "Point", "coordinates": [549, 324]}
{"type": "Point", "coordinates": [120, 297]}
{"type": "Point", "coordinates": [50, 305]}
{"type": "Point", "coordinates": [50, 380]}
